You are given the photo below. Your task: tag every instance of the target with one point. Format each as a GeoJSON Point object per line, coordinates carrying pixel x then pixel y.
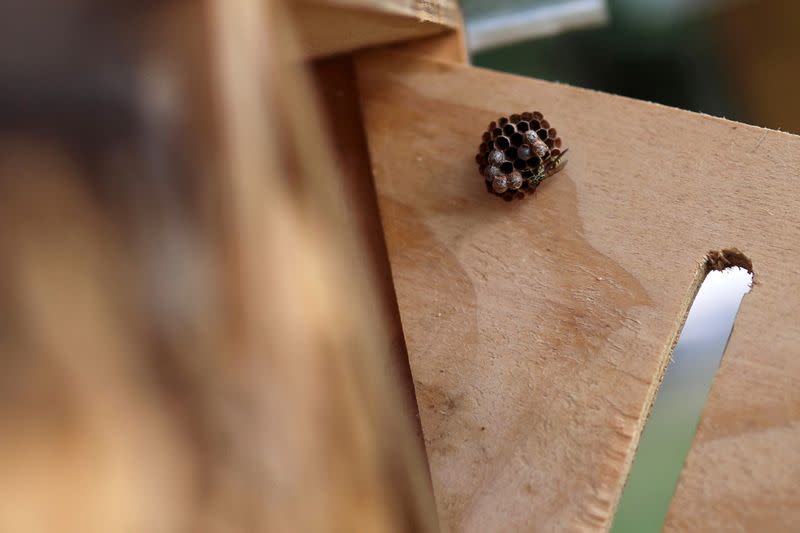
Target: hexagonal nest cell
{"type": "Point", "coordinates": [518, 153]}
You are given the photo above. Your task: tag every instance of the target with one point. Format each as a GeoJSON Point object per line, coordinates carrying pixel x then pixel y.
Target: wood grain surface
{"type": "Point", "coordinates": [328, 27]}
{"type": "Point", "coordinates": [538, 330]}
{"type": "Point", "coordinates": [188, 335]}
{"type": "Point", "coordinates": [336, 83]}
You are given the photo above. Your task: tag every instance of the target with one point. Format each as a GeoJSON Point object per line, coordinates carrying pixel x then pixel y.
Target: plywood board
{"type": "Point", "coordinates": [336, 83]}
{"type": "Point", "coordinates": [328, 27]}
{"type": "Point", "coordinates": [538, 330]}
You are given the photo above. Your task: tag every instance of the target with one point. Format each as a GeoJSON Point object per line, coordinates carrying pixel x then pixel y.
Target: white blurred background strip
{"type": "Point", "coordinates": [490, 30]}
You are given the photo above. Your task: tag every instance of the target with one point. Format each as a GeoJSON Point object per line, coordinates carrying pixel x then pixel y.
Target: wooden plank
{"type": "Point", "coordinates": [743, 471]}
{"type": "Point", "coordinates": [346, 438]}
{"type": "Point", "coordinates": [170, 255]}
{"type": "Point", "coordinates": [444, 12]}
{"type": "Point", "coordinates": [329, 27]}
{"type": "Point", "coordinates": [538, 330]}
{"type": "Point", "coordinates": [336, 83]}
{"type": "Point", "coordinates": [448, 46]}
{"type": "Point", "coordinates": [762, 69]}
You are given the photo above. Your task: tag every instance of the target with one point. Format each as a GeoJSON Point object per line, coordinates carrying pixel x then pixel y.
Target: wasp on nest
{"type": "Point", "coordinates": [518, 153]}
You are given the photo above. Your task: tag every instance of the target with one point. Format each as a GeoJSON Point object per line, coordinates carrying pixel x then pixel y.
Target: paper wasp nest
{"type": "Point", "coordinates": [518, 153]}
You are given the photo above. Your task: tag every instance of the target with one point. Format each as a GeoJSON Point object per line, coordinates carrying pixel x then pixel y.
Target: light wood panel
{"type": "Point", "coordinates": [369, 478]}
{"type": "Point", "coordinates": [335, 78]}
{"type": "Point", "coordinates": [328, 27]}
{"type": "Point", "coordinates": [538, 330]}
{"type": "Point", "coordinates": [187, 331]}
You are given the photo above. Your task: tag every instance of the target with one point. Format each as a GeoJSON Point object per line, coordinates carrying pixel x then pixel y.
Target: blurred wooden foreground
{"type": "Point", "coordinates": [188, 335]}
{"type": "Point", "coordinates": [248, 276]}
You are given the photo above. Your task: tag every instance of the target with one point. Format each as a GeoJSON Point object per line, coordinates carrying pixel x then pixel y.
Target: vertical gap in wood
{"type": "Point", "coordinates": [676, 411]}
{"type": "Point", "coordinates": [335, 78]}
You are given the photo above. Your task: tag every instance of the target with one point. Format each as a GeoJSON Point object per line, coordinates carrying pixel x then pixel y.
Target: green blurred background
{"type": "Point", "coordinates": [731, 58]}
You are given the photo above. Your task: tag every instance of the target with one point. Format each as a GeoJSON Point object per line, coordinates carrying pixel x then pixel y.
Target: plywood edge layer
{"type": "Point", "coordinates": [328, 28]}
{"type": "Point", "coordinates": [444, 12]}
